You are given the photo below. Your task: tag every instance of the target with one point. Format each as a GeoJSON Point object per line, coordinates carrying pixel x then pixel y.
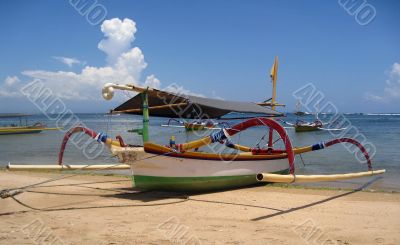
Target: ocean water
{"type": "Point", "coordinates": [380, 130]}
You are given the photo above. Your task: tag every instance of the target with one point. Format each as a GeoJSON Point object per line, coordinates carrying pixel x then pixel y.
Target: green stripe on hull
{"type": "Point", "coordinates": [195, 183]}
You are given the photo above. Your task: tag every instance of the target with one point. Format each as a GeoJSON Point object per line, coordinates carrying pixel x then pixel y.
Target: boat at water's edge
{"type": "Point", "coordinates": [22, 129]}
{"type": "Point", "coordinates": [184, 166]}
{"type": "Point", "coordinates": [200, 174]}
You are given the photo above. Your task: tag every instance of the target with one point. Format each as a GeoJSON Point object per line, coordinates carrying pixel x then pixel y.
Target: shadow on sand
{"type": "Point", "coordinates": [153, 198]}
{"type": "Point", "coordinates": [318, 202]}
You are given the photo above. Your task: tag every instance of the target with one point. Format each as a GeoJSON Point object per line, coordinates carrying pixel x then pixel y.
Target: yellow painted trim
{"type": "Point", "coordinates": [24, 129]}
{"type": "Point", "coordinates": [113, 142]}
{"type": "Point", "coordinates": [242, 155]}
{"type": "Point", "coordinates": [193, 154]}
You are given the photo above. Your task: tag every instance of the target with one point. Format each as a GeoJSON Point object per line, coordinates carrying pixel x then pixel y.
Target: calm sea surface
{"type": "Point", "coordinates": [381, 130]}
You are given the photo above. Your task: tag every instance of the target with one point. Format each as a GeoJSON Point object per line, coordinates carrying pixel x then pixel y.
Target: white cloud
{"type": "Point", "coordinates": [215, 96]}
{"type": "Point", "coordinates": [125, 65]}
{"type": "Point", "coordinates": [392, 87]}
{"type": "Point", "coordinates": [177, 89]}
{"type": "Point", "coordinates": [118, 37]}
{"type": "Point", "coordinates": [372, 97]}
{"type": "Point", "coordinates": [10, 87]}
{"type": "Point", "coordinates": [393, 83]}
{"type": "Point", "coordinates": [152, 81]}
{"type": "Point", "coordinates": [67, 61]}
{"type": "Point", "coordinates": [10, 80]}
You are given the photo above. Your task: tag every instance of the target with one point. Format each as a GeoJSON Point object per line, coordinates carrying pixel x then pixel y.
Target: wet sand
{"type": "Point", "coordinates": [89, 209]}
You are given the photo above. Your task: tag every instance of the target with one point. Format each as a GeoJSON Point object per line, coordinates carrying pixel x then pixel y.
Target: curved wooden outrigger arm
{"type": "Point", "coordinates": [289, 151]}
{"type": "Point", "coordinates": [223, 136]}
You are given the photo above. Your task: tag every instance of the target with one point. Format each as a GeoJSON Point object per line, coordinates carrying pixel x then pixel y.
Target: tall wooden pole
{"type": "Point", "coordinates": [145, 101]}
{"type": "Point", "coordinates": [274, 76]}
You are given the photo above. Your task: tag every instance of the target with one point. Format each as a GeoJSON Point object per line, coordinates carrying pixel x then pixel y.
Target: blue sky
{"type": "Point", "coordinates": [221, 49]}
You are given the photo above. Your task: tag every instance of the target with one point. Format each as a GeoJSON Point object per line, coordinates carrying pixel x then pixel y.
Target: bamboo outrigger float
{"type": "Point", "coordinates": [181, 167]}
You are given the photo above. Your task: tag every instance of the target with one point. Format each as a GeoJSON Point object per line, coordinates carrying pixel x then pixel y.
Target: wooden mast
{"type": "Point", "coordinates": [145, 132]}
{"type": "Point", "coordinates": [108, 94]}
{"type": "Point", "coordinates": [274, 76]}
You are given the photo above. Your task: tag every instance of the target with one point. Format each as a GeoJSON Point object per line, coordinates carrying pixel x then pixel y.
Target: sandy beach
{"type": "Point", "coordinates": [88, 209]}
{"type": "Point", "coordinates": [113, 113]}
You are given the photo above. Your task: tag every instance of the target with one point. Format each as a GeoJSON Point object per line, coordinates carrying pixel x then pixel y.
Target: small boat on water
{"type": "Point", "coordinates": [298, 112]}
{"type": "Point", "coordinates": [185, 166]}
{"type": "Point", "coordinates": [21, 128]}
{"type": "Point", "coordinates": [194, 125]}
{"type": "Point", "coordinates": [302, 126]}
{"type": "Point", "coordinates": [191, 126]}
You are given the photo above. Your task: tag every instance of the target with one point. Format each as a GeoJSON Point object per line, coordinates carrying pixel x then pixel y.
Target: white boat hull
{"type": "Point", "coordinates": [185, 174]}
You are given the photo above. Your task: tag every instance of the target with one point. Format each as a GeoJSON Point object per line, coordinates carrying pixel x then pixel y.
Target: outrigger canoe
{"type": "Point", "coordinates": [179, 167]}
{"type": "Point", "coordinates": [22, 129]}
{"type": "Point", "coordinates": [182, 167]}
{"type": "Point", "coordinates": [194, 126]}
{"type": "Point", "coordinates": [300, 126]}
{"type": "Point", "coordinates": [191, 126]}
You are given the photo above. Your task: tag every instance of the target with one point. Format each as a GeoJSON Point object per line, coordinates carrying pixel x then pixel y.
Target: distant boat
{"type": "Point", "coordinates": [193, 125]}
{"type": "Point", "coordinates": [298, 112]}
{"type": "Point", "coordinates": [301, 126]}
{"type": "Point", "coordinates": [304, 126]}
{"type": "Point", "coordinates": [20, 128]}
{"type": "Point", "coordinates": [301, 113]}
{"type": "Point", "coordinates": [199, 125]}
